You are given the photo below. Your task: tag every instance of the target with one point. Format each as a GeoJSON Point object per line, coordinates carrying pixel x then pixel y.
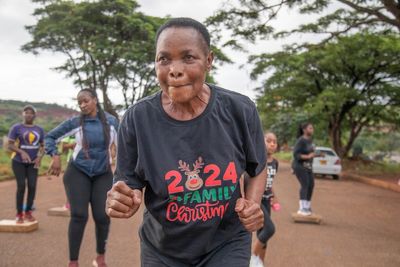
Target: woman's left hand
{"type": "Point", "coordinates": [250, 214]}
{"type": "Point", "coordinates": [55, 166]}
{"type": "Point", "coordinates": [37, 162]}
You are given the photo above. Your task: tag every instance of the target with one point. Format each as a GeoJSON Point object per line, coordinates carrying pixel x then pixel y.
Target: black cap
{"type": "Point", "coordinates": [29, 107]}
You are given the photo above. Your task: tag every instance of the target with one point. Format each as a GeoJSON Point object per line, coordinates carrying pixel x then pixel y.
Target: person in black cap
{"type": "Point", "coordinates": [25, 140]}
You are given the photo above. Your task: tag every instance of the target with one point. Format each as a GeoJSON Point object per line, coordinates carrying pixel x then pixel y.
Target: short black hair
{"type": "Point", "coordinates": [185, 23]}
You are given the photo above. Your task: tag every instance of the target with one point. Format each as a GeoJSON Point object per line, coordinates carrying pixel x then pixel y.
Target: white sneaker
{"type": "Point", "coordinates": [304, 212]}
{"type": "Point", "coordinates": [255, 261]}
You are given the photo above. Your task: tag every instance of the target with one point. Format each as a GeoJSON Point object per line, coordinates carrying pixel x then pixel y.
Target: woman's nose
{"type": "Point", "coordinates": [176, 70]}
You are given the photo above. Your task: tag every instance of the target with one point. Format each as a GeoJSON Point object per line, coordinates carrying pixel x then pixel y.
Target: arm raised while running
{"type": "Point", "coordinates": [125, 197]}
{"type": "Point", "coordinates": [122, 201]}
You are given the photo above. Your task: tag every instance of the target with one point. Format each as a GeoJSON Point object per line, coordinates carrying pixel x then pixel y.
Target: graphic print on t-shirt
{"type": "Point", "coordinates": [271, 172]}
{"type": "Point", "coordinates": [272, 169]}
{"type": "Point", "coordinates": [30, 139]}
{"type": "Point", "coordinates": [199, 194]}
{"type": "Point", "coordinates": [193, 181]}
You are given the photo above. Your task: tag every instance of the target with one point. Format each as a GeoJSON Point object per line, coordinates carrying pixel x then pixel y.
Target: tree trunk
{"type": "Point", "coordinates": [108, 106]}
{"type": "Point", "coordinates": [335, 137]}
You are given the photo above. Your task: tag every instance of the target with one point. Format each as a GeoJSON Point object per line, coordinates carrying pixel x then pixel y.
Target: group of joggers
{"type": "Point", "coordinates": [188, 130]}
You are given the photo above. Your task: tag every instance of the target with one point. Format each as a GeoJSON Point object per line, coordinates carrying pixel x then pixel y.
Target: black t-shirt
{"type": "Point", "coordinates": [190, 170]}
{"type": "Point", "coordinates": [303, 146]}
{"type": "Point", "coordinates": [272, 169]}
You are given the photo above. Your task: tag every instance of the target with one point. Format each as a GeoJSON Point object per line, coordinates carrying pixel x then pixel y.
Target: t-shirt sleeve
{"type": "Point", "coordinates": [127, 154]}
{"type": "Point", "coordinates": [13, 133]}
{"type": "Point", "coordinates": [299, 149]}
{"type": "Point", "coordinates": [277, 165]}
{"type": "Point", "coordinates": [255, 146]}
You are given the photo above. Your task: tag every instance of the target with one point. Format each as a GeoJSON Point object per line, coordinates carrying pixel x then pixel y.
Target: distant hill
{"type": "Point", "coordinates": [48, 115]}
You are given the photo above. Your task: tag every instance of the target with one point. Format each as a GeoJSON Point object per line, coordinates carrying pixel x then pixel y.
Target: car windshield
{"type": "Point", "coordinates": [325, 152]}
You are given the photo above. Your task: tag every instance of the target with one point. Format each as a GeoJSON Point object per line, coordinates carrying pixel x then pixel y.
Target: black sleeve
{"type": "Point", "coordinates": [127, 153]}
{"type": "Point", "coordinates": [255, 145]}
{"type": "Point", "coordinates": [299, 149]}
{"type": "Point", "coordinates": [277, 165]}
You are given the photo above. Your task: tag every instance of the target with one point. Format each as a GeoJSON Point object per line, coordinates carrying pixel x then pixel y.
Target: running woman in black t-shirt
{"type": "Point", "coordinates": [268, 199]}
{"type": "Point", "coordinates": [187, 145]}
{"type": "Point", "coordinates": [303, 154]}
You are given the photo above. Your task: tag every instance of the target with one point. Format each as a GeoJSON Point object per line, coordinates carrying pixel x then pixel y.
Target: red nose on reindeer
{"type": "Point", "coordinates": [193, 182]}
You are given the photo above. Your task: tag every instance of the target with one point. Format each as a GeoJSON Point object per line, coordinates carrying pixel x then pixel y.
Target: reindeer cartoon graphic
{"type": "Point", "coordinates": [194, 181]}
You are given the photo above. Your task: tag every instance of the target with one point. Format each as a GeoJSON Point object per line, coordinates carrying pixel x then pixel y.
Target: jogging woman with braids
{"type": "Point", "coordinates": [88, 176]}
{"type": "Point", "coordinates": [303, 154]}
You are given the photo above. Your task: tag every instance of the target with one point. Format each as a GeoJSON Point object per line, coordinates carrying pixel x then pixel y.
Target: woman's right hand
{"type": "Point", "coordinates": [55, 166]}
{"type": "Point", "coordinates": [122, 201]}
{"type": "Point", "coordinates": [25, 157]}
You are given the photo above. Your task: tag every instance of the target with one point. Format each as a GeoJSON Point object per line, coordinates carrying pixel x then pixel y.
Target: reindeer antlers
{"type": "Point", "coordinates": [183, 166]}
{"type": "Point", "coordinates": [198, 164]}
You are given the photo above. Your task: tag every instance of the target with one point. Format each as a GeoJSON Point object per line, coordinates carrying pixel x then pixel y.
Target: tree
{"type": "Point", "coordinates": [107, 42]}
{"type": "Point", "coordinates": [250, 19]}
{"type": "Point", "coordinates": [344, 85]}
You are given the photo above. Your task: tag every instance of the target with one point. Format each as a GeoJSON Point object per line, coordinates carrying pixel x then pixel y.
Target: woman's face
{"type": "Point", "coordinates": [271, 143]}
{"type": "Point", "coordinates": [182, 61]}
{"type": "Point", "coordinates": [309, 130]}
{"type": "Point", "coordinates": [29, 116]}
{"type": "Point", "coordinates": [87, 103]}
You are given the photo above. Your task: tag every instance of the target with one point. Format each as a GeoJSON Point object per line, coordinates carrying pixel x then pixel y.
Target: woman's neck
{"type": "Point", "coordinates": [93, 114]}
{"type": "Point", "coordinates": [189, 110]}
{"type": "Point", "coordinates": [270, 158]}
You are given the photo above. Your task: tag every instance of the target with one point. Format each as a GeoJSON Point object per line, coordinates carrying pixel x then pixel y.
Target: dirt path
{"type": "Point", "coordinates": [361, 228]}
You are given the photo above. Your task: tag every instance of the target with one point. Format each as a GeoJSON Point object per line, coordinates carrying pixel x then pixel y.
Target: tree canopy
{"type": "Point", "coordinates": [342, 86]}
{"type": "Point", "coordinates": [107, 43]}
{"type": "Point", "coordinates": [250, 20]}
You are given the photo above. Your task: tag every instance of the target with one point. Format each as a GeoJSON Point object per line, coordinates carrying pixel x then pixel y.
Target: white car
{"type": "Point", "coordinates": [326, 162]}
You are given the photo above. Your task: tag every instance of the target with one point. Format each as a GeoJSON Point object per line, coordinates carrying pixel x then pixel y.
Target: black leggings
{"type": "Point", "coordinates": [306, 179]}
{"type": "Point", "coordinates": [82, 190]}
{"type": "Point", "coordinates": [22, 172]}
{"type": "Point", "coordinates": [268, 230]}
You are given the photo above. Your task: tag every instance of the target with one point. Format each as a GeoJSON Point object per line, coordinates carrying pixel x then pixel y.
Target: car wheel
{"type": "Point", "coordinates": [335, 177]}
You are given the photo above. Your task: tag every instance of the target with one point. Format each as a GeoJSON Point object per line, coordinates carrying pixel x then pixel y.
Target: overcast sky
{"type": "Point", "coordinates": [30, 78]}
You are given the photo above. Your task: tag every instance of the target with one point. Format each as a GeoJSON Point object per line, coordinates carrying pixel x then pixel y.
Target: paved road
{"type": "Point", "coordinates": [361, 228]}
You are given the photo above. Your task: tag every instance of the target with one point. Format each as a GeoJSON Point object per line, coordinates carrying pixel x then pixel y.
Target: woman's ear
{"type": "Point", "coordinates": [210, 59]}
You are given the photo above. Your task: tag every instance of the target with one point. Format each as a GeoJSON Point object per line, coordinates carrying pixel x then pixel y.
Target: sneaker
{"type": "Point", "coordinates": [255, 261]}
{"type": "Point", "coordinates": [20, 218]}
{"type": "Point", "coordinates": [304, 212]}
{"type": "Point", "coordinates": [99, 261]}
{"type": "Point", "coordinates": [73, 264]}
{"type": "Point", "coordinates": [29, 217]}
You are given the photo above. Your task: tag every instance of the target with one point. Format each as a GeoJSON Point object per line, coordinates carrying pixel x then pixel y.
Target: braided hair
{"type": "Point", "coordinates": [103, 119]}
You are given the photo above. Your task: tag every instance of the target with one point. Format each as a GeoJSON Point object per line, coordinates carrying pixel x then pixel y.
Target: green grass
{"type": "Point", "coordinates": [372, 168]}
{"type": "Point", "coordinates": [5, 165]}
{"type": "Point", "coordinates": [284, 155]}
